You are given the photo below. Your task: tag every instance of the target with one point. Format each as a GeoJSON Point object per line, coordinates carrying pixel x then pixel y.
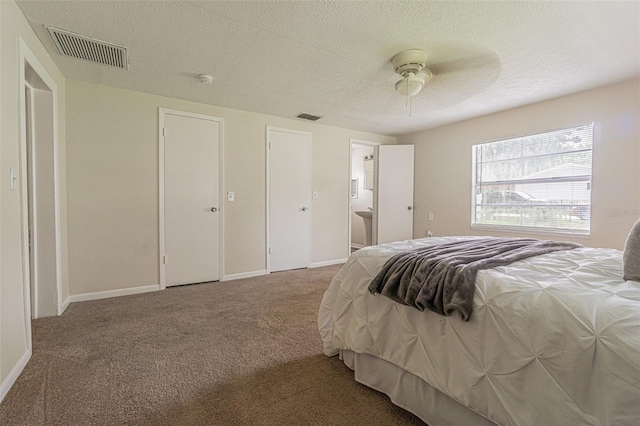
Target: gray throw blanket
{"type": "Point", "coordinates": [442, 277]}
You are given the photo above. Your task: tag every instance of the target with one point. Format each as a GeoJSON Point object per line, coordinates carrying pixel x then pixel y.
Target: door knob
{"type": "Point", "coordinates": [304, 209]}
{"type": "Point", "coordinates": [409, 208]}
{"type": "Point", "coordinates": [214, 209]}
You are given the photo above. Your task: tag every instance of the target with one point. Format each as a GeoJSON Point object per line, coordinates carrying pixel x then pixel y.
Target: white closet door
{"type": "Point", "coordinates": [191, 200]}
{"type": "Point", "coordinates": [289, 159]}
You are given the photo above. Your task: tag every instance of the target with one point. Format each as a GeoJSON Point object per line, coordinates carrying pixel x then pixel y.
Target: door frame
{"type": "Point", "coordinates": [26, 56]}
{"type": "Point", "coordinates": [161, 179]}
{"type": "Point", "coordinates": [268, 189]}
{"type": "Point", "coordinates": [374, 218]}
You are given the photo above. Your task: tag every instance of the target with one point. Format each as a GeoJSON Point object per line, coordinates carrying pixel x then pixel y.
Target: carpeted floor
{"type": "Point", "coordinates": [244, 352]}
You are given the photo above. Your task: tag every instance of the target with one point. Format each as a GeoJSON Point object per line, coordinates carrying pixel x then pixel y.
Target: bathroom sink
{"type": "Point", "coordinates": [367, 216]}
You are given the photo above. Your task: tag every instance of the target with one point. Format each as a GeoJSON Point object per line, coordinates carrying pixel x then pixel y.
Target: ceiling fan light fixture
{"type": "Point", "coordinates": [410, 85]}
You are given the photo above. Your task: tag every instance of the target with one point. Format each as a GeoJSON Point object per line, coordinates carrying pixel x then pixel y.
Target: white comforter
{"type": "Point", "coordinates": [552, 340]}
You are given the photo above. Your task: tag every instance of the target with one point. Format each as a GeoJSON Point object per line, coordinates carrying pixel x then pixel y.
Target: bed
{"type": "Point", "coordinates": [552, 340]}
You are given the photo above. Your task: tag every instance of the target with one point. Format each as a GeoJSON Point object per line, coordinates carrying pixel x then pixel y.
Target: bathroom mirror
{"type": "Point", "coordinates": [368, 172]}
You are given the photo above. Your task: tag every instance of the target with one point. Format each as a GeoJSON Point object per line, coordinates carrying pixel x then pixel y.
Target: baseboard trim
{"type": "Point", "coordinates": [328, 263]}
{"type": "Point", "coordinates": [356, 246]}
{"type": "Point", "coordinates": [244, 275]}
{"type": "Point", "coordinates": [113, 293]}
{"type": "Point", "coordinates": [14, 374]}
{"type": "Point", "coordinates": [65, 305]}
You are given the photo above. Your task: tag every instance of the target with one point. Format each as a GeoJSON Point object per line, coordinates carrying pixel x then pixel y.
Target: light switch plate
{"type": "Point", "coordinates": [314, 195]}
{"type": "Point", "coordinates": [430, 217]}
{"type": "Point", "coordinates": [231, 196]}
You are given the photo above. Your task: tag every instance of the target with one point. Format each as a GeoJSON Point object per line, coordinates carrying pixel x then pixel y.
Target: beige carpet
{"type": "Point", "coordinates": [244, 352]}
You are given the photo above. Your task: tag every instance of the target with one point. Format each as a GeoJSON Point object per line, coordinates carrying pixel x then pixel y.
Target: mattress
{"type": "Point", "coordinates": [553, 339]}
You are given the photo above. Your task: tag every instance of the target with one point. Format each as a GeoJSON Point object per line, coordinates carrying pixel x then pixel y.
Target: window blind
{"type": "Point", "coordinates": [536, 182]}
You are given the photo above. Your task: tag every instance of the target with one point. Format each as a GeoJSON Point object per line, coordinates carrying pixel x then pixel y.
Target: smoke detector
{"type": "Point", "coordinates": [205, 79]}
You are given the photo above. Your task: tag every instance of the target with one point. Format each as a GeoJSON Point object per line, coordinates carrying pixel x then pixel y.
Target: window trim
{"type": "Point", "coordinates": [532, 230]}
{"type": "Point", "coordinates": [578, 233]}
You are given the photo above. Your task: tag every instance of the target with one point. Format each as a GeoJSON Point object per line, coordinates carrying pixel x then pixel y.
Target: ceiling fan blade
{"type": "Point", "coordinates": [475, 62]}
{"type": "Point", "coordinates": [457, 79]}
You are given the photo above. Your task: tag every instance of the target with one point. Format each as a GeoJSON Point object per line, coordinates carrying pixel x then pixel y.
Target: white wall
{"type": "Point", "coordinates": [14, 336]}
{"type": "Point", "coordinates": [112, 165]}
{"type": "Point", "coordinates": [365, 196]}
{"type": "Point", "coordinates": [443, 161]}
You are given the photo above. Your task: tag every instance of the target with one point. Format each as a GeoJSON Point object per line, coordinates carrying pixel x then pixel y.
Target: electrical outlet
{"type": "Point", "coordinates": [429, 234]}
{"type": "Point", "coordinates": [231, 196]}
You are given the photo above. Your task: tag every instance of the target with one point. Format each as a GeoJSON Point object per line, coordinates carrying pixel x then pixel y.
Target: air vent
{"type": "Point", "coordinates": [309, 117]}
{"type": "Point", "coordinates": [89, 49]}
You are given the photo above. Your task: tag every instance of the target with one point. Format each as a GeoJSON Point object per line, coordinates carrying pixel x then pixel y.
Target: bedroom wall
{"type": "Point", "coordinates": [112, 165]}
{"type": "Point", "coordinates": [14, 340]}
{"type": "Point", "coordinates": [443, 161]}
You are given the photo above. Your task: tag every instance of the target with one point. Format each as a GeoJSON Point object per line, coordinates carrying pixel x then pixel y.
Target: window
{"type": "Point", "coordinates": [538, 182]}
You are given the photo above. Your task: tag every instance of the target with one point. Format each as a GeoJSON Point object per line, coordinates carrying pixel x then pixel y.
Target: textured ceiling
{"type": "Point", "coordinates": [333, 58]}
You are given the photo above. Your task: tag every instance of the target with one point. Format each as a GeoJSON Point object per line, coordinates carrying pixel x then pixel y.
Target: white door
{"type": "Point", "coordinates": [41, 200]}
{"type": "Point", "coordinates": [191, 198]}
{"type": "Point", "coordinates": [289, 177]}
{"type": "Point", "coordinates": [394, 209]}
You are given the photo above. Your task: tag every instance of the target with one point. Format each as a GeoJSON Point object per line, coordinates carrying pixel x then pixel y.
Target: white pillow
{"type": "Point", "coordinates": [631, 256]}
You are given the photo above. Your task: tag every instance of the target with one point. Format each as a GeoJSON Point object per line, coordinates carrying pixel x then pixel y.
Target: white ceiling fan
{"type": "Point", "coordinates": [411, 66]}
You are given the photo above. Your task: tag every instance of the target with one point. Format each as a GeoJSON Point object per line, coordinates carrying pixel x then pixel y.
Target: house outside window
{"type": "Point", "coordinates": [537, 183]}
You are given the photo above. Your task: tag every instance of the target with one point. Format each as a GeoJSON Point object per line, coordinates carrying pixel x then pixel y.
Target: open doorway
{"type": "Point", "coordinates": [363, 194]}
{"type": "Point", "coordinates": [39, 188]}
{"type": "Point", "coordinates": [381, 202]}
